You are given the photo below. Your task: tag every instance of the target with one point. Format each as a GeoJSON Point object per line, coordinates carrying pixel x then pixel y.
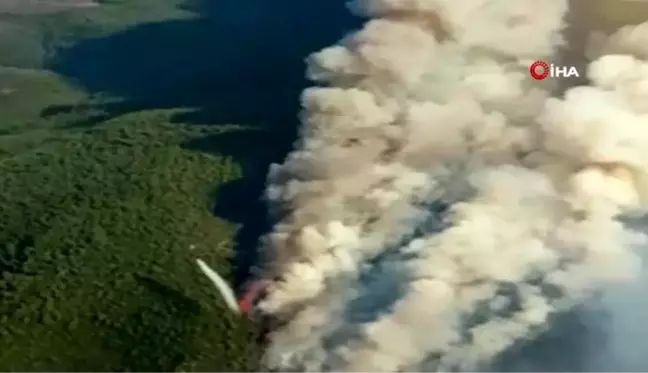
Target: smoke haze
{"type": "Point", "coordinates": [442, 210]}
{"type": "Point", "coordinates": [42, 6]}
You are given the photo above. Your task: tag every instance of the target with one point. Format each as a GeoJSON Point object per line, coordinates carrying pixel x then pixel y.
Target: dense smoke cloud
{"type": "Point", "coordinates": [441, 207]}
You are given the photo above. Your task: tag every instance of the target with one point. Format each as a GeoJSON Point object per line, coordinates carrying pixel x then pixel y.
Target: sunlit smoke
{"type": "Point", "coordinates": [440, 207]}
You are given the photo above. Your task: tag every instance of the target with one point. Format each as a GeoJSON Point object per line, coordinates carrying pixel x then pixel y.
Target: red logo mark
{"type": "Point", "coordinates": [539, 70]}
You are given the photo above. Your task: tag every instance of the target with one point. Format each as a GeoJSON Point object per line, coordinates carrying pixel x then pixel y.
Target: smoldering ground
{"type": "Point", "coordinates": [442, 212]}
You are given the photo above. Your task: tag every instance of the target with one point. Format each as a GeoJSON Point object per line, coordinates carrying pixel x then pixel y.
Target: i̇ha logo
{"type": "Point", "coordinates": [540, 70]}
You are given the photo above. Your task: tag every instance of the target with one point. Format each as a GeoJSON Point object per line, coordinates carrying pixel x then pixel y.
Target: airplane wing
{"type": "Point", "coordinates": [225, 290]}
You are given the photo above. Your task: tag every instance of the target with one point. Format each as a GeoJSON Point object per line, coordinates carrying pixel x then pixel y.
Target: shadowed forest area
{"type": "Point", "coordinates": [233, 63]}
{"type": "Point", "coordinates": [134, 138]}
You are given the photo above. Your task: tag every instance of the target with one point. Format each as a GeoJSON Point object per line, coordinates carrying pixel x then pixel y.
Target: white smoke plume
{"type": "Point", "coordinates": [440, 206]}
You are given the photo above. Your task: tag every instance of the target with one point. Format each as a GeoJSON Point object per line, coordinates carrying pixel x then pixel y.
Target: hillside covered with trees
{"type": "Point", "coordinates": [117, 170]}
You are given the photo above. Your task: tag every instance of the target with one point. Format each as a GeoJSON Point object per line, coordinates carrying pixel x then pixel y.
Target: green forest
{"type": "Point", "coordinates": [103, 210]}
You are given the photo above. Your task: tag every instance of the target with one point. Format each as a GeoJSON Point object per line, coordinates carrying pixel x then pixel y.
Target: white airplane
{"type": "Point", "coordinates": [246, 303]}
